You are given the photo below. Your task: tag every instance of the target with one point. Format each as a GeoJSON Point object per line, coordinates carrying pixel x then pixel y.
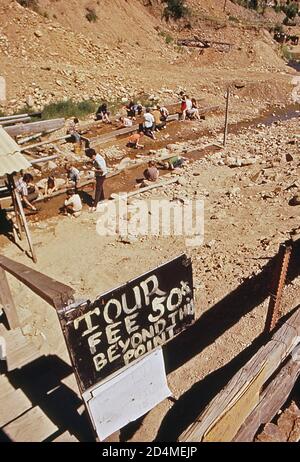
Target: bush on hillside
{"type": "Point", "coordinates": [69, 109]}
{"type": "Point", "coordinates": [291, 10]}
{"type": "Point", "coordinates": [32, 4]}
{"type": "Point", "coordinates": [91, 15]}
{"type": "Point", "coordinates": [175, 9]}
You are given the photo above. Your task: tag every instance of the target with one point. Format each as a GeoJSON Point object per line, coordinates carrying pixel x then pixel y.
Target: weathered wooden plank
{"type": "Point", "coordinates": [66, 437]}
{"type": "Point", "coordinates": [44, 143]}
{"type": "Point", "coordinates": [20, 350]}
{"type": "Point", "coordinates": [50, 290]}
{"type": "Point", "coordinates": [271, 400]}
{"type": "Point", "coordinates": [35, 127]}
{"type": "Point", "coordinates": [7, 301]}
{"type": "Point", "coordinates": [34, 137]}
{"type": "Point", "coordinates": [13, 403]}
{"type": "Point", "coordinates": [34, 426]}
{"type": "Point", "coordinates": [265, 361]}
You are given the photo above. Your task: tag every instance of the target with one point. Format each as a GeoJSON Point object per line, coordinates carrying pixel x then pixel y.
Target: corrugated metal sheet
{"type": "Point", "coordinates": [10, 158]}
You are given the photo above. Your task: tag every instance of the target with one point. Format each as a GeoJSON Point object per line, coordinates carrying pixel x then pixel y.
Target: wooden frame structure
{"type": "Point", "coordinates": [21, 224]}
{"type": "Point", "coordinates": [53, 292]}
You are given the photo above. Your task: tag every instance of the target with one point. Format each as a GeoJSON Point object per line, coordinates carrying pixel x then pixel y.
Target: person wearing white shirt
{"type": "Point", "coordinates": [73, 204]}
{"type": "Point", "coordinates": [100, 169]}
{"type": "Point", "coordinates": [188, 107]}
{"type": "Point", "coordinates": [149, 124]}
{"type": "Point", "coordinates": [126, 122]}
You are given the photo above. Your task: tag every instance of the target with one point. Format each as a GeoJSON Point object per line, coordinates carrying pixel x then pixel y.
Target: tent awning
{"type": "Point", "coordinates": [11, 160]}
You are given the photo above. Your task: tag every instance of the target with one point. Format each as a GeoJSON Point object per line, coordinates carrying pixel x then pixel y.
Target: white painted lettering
{"type": "Point", "coordinates": [130, 324]}
{"type": "Point", "coordinates": [87, 317]}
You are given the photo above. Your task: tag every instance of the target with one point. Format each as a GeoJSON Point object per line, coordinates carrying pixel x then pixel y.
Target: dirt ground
{"type": "Point", "coordinates": [247, 216]}
{"type": "Point", "coordinates": [246, 187]}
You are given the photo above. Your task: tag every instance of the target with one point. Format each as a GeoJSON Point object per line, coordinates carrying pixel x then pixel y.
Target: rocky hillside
{"type": "Point", "coordinates": [110, 49]}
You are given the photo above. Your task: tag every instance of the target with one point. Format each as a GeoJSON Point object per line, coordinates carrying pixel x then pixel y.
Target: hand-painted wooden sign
{"type": "Point", "coordinates": [124, 324]}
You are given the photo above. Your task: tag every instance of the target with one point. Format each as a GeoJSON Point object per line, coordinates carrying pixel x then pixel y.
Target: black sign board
{"type": "Point", "coordinates": [124, 324]}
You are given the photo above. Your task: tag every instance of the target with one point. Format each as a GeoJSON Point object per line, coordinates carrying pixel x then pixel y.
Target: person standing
{"type": "Point", "coordinates": [100, 169]}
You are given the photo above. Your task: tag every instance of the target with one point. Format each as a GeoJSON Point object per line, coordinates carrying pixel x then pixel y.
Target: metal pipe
{"type": "Point", "coordinates": [18, 116]}
{"type": "Point", "coordinates": [43, 159]}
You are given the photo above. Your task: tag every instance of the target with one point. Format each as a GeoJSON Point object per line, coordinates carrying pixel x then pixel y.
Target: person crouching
{"type": "Point", "coordinates": [73, 204]}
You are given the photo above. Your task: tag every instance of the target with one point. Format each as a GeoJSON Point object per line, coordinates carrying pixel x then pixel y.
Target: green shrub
{"type": "Point", "coordinates": [175, 9]}
{"type": "Point", "coordinates": [69, 109]}
{"type": "Point", "coordinates": [286, 53]}
{"type": "Point", "coordinates": [169, 39]}
{"type": "Point", "coordinates": [91, 15]}
{"type": "Point", "coordinates": [32, 4]}
{"type": "Point", "coordinates": [291, 10]}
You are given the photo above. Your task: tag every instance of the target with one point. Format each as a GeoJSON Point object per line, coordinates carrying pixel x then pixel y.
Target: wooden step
{"type": "Point", "coordinates": [13, 403]}
{"type": "Point", "coordinates": [66, 437]}
{"type": "Point", "coordinates": [19, 350]}
{"type": "Point", "coordinates": [33, 426]}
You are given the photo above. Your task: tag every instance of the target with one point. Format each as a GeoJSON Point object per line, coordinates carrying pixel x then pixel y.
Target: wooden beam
{"type": "Point", "coordinates": [8, 302]}
{"type": "Point", "coordinates": [226, 117]}
{"type": "Point", "coordinates": [223, 417]}
{"type": "Point", "coordinates": [53, 292]}
{"type": "Point", "coordinates": [280, 272]}
{"type": "Point", "coordinates": [35, 127]}
{"type": "Point", "coordinates": [272, 399]}
{"type": "Point", "coordinates": [43, 143]}
{"type": "Point", "coordinates": [33, 137]}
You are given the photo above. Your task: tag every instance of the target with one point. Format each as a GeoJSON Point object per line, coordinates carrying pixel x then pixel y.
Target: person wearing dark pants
{"type": "Point", "coordinates": [99, 194]}
{"type": "Point", "coordinates": [100, 169]}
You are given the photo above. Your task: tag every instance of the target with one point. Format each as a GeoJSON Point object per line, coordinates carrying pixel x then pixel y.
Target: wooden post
{"type": "Point", "coordinates": [11, 184]}
{"type": "Point", "coordinates": [7, 301]}
{"type": "Point", "coordinates": [277, 287]}
{"type": "Point", "coordinates": [226, 117]}
{"type": "Point", "coordinates": [27, 232]}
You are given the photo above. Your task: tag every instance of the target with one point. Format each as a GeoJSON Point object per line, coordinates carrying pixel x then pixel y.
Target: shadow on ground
{"type": "Point", "coordinates": [41, 382]}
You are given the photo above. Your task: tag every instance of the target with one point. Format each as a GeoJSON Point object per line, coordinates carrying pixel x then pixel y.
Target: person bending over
{"type": "Point", "coordinates": [27, 190]}
{"type": "Point", "coordinates": [73, 204]}
{"type": "Point", "coordinates": [134, 141]}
